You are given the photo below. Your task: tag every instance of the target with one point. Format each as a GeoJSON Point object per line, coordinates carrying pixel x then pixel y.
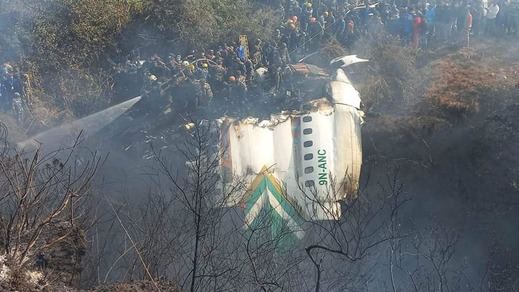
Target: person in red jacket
{"type": "Point", "coordinates": [417, 30]}
{"type": "Point", "coordinates": [468, 27]}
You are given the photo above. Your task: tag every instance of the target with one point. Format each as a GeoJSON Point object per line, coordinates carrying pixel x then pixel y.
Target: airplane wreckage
{"type": "Point", "coordinates": [298, 166]}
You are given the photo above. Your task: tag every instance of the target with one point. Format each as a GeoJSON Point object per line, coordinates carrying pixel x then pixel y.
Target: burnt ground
{"type": "Point", "coordinates": [452, 140]}
{"type": "Point", "coordinates": [455, 147]}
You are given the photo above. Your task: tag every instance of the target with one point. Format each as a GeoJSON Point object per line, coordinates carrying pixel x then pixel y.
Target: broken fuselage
{"type": "Point", "coordinates": [304, 162]}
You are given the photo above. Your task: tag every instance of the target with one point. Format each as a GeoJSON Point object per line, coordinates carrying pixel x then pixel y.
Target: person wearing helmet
{"type": "Point", "coordinates": [203, 72]}
{"type": "Point", "coordinates": [307, 14]}
{"type": "Point", "coordinates": [185, 64]}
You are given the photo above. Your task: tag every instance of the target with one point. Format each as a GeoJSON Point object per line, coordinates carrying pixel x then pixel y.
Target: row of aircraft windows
{"type": "Point", "coordinates": [309, 156]}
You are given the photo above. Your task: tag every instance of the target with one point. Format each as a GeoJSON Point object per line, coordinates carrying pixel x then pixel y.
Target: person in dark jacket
{"type": "Point", "coordinates": [10, 85]}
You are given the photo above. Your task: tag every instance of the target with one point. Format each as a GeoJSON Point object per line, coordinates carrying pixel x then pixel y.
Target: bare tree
{"type": "Point", "coordinates": [37, 193]}
{"type": "Point", "coordinates": [367, 221]}
{"type": "Point", "coordinates": [180, 231]}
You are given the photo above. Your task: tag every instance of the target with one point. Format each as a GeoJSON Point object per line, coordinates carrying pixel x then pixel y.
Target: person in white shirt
{"type": "Point", "coordinates": [492, 11]}
{"type": "Point", "coordinates": [491, 15]}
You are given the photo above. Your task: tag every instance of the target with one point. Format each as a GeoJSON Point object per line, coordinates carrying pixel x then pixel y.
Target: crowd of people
{"type": "Point", "coordinates": [232, 72]}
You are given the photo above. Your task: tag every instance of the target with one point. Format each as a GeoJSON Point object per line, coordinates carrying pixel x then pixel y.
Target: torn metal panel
{"type": "Point", "coordinates": [317, 155]}
{"type": "Point", "coordinates": [308, 69]}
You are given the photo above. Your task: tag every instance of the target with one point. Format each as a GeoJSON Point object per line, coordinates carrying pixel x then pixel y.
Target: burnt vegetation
{"type": "Point", "coordinates": [437, 204]}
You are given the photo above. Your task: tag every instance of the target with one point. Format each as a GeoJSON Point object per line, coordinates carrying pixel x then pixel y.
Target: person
{"type": "Point", "coordinates": [203, 92]}
{"type": "Point", "coordinates": [351, 36]}
{"type": "Point", "coordinates": [417, 30]}
{"type": "Point", "coordinates": [285, 55]}
{"type": "Point", "coordinates": [202, 72]}
{"type": "Point", "coordinates": [10, 85]}
{"type": "Point", "coordinates": [292, 37]}
{"type": "Point", "coordinates": [249, 67]}
{"type": "Point", "coordinates": [511, 18]}
{"type": "Point", "coordinates": [442, 21]}
{"type": "Point", "coordinates": [430, 22]}
{"type": "Point", "coordinates": [330, 20]}
{"type": "Point", "coordinates": [323, 20]}
{"type": "Point", "coordinates": [241, 52]}
{"type": "Point", "coordinates": [478, 16]}
{"type": "Point", "coordinates": [18, 108]}
{"type": "Point", "coordinates": [236, 90]}
{"type": "Point", "coordinates": [341, 28]}
{"type": "Point", "coordinates": [467, 27]}
{"type": "Point", "coordinates": [406, 26]}
{"type": "Point", "coordinates": [217, 77]}
{"type": "Point", "coordinates": [41, 261]}
{"type": "Point", "coordinates": [295, 9]}
{"type": "Point", "coordinates": [491, 18]}
{"type": "Point", "coordinates": [315, 33]}
{"type": "Point", "coordinates": [307, 14]}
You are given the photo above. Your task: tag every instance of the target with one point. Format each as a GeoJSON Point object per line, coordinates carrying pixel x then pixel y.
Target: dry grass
{"type": "Point", "coordinates": [462, 81]}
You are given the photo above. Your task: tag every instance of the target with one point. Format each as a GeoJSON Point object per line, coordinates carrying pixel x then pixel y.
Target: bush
{"type": "Point", "coordinates": [202, 23]}
{"type": "Point", "coordinates": [393, 75]}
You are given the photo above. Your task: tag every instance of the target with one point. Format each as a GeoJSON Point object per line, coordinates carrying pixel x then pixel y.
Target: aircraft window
{"type": "Point", "coordinates": [307, 119]}
{"type": "Point", "coordinates": [309, 169]}
{"type": "Point", "coordinates": [309, 156]}
{"type": "Point", "coordinates": [309, 183]}
{"type": "Point", "coordinates": [308, 143]}
{"type": "Point", "coordinates": [307, 131]}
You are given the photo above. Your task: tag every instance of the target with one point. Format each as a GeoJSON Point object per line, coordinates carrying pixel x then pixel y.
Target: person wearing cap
{"type": "Point", "coordinates": [307, 14]}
